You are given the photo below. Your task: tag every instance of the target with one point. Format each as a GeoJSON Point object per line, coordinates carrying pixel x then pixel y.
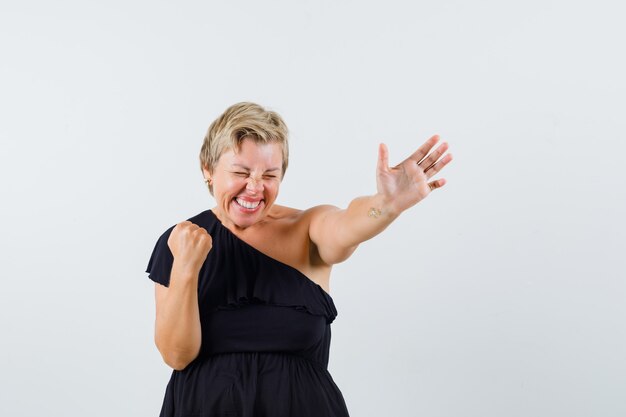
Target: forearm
{"type": "Point", "coordinates": [178, 334]}
{"type": "Point", "coordinates": [364, 218]}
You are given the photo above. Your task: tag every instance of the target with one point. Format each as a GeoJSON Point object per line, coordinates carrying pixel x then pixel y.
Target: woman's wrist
{"type": "Point", "coordinates": [382, 207]}
{"type": "Point", "coordinates": [184, 271]}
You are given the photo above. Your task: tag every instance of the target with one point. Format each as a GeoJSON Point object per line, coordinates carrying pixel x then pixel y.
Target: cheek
{"type": "Point", "coordinates": [272, 188]}
{"type": "Point", "coordinates": [230, 187]}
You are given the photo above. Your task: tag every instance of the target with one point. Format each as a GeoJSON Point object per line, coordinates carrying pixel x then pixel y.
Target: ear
{"type": "Point", "coordinates": [207, 174]}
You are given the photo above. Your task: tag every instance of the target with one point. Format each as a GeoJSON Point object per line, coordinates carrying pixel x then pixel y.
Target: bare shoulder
{"type": "Point", "coordinates": [299, 217]}
{"type": "Point", "coordinates": [317, 213]}
{"type": "Point", "coordinates": [279, 212]}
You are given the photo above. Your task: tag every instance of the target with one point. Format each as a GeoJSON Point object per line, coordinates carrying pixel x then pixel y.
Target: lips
{"type": "Point", "coordinates": [249, 205]}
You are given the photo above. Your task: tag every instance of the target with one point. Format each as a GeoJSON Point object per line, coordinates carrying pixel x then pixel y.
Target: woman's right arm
{"type": "Point", "coordinates": [178, 334]}
{"type": "Point", "coordinates": [177, 327]}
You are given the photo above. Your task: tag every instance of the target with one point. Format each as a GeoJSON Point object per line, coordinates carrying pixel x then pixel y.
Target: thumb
{"type": "Point", "coordinates": [383, 158]}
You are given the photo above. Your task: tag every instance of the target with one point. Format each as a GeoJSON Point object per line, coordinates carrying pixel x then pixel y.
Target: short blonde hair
{"type": "Point", "coordinates": [241, 121]}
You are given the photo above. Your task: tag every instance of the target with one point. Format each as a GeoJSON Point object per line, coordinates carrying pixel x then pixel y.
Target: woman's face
{"type": "Point", "coordinates": [245, 183]}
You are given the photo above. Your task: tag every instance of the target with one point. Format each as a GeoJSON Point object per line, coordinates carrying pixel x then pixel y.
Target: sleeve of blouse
{"type": "Point", "coordinates": [161, 260]}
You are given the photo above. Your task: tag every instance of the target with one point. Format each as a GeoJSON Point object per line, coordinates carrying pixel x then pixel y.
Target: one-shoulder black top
{"type": "Point", "coordinates": [265, 335]}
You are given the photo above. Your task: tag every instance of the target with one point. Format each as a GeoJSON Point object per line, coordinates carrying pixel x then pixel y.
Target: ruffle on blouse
{"type": "Point", "coordinates": [235, 274]}
{"type": "Point", "coordinates": [306, 303]}
{"type": "Point", "coordinates": [255, 278]}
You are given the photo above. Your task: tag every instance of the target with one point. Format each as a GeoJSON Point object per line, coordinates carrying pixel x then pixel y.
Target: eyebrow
{"type": "Point", "coordinates": [248, 169]}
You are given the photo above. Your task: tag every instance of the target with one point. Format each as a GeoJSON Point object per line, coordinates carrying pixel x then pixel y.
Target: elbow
{"type": "Point", "coordinates": [177, 355]}
{"type": "Point", "coordinates": [178, 360]}
{"type": "Point", "coordinates": [176, 364]}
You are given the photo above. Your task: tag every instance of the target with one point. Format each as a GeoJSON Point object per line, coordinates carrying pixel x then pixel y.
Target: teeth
{"type": "Point", "coordinates": [247, 204]}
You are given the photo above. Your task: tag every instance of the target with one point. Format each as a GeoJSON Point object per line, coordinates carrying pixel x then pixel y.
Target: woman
{"type": "Point", "coordinates": [243, 310]}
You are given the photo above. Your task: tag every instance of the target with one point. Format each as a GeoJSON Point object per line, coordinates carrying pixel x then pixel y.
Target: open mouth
{"type": "Point", "coordinates": [247, 205]}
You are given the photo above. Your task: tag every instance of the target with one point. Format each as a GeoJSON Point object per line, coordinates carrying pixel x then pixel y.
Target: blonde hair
{"type": "Point", "coordinates": [241, 121]}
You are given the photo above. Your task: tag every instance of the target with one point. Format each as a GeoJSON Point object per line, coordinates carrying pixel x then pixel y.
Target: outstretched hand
{"type": "Point", "coordinates": [407, 183]}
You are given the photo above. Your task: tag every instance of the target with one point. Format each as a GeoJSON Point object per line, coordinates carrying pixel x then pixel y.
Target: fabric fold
{"type": "Point", "coordinates": [253, 277]}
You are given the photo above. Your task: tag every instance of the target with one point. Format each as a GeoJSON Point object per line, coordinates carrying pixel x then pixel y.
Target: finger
{"type": "Point", "coordinates": [437, 184]}
{"type": "Point", "coordinates": [423, 150]}
{"type": "Point", "coordinates": [435, 168]}
{"type": "Point", "coordinates": [383, 158]}
{"type": "Point", "coordinates": [431, 159]}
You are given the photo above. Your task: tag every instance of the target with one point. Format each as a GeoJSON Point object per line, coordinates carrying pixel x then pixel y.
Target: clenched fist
{"type": "Point", "coordinates": [190, 244]}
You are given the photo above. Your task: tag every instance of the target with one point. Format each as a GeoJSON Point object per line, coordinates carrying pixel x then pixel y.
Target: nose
{"type": "Point", "coordinates": [254, 184]}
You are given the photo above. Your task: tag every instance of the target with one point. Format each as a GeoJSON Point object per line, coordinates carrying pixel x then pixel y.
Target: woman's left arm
{"type": "Point", "coordinates": [337, 233]}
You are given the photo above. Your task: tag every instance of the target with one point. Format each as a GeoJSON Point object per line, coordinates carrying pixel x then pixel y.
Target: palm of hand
{"type": "Point", "coordinates": [406, 184]}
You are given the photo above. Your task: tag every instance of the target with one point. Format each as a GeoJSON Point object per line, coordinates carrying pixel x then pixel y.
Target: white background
{"type": "Point", "coordinates": [501, 294]}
